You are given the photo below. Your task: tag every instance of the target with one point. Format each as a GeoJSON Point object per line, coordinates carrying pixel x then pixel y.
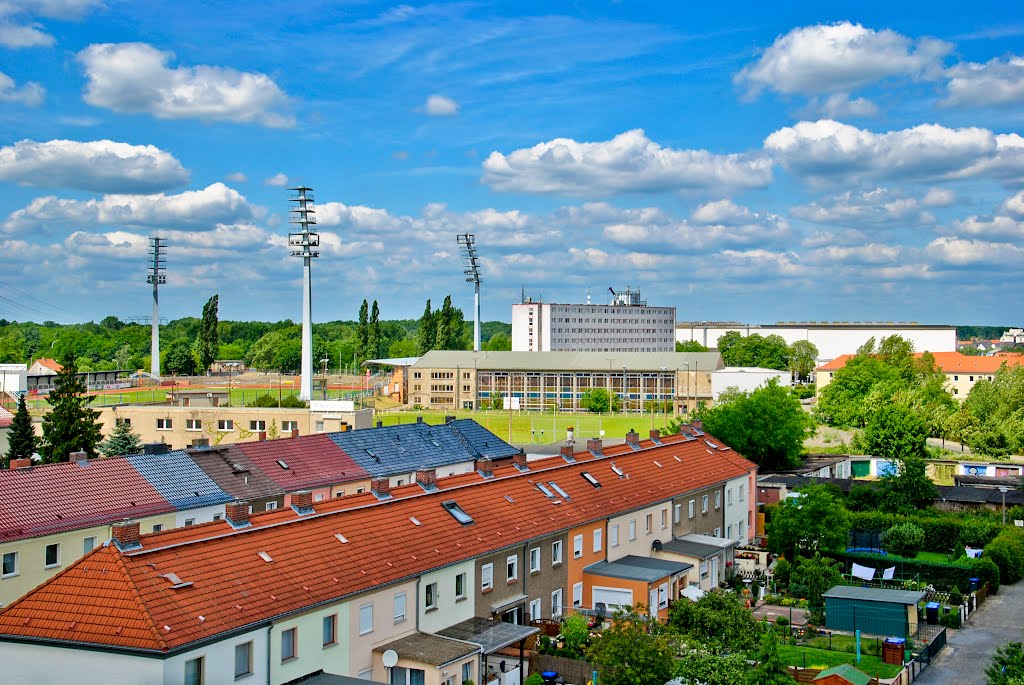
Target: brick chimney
{"type": "Point", "coordinates": [594, 447]}
{"type": "Point", "coordinates": [237, 513]}
{"type": "Point", "coordinates": [302, 502]}
{"type": "Point", "coordinates": [427, 478]}
{"type": "Point", "coordinates": [381, 488]}
{"type": "Point", "coordinates": [684, 429]}
{"type": "Point", "coordinates": [519, 461]}
{"type": "Point", "coordinates": [633, 439]}
{"type": "Point", "coordinates": [126, 535]}
{"type": "Point", "coordinates": [295, 432]}
{"type": "Point", "coordinates": [20, 464]}
{"type": "Point", "coordinates": [698, 424]}
{"type": "Point", "coordinates": [568, 453]}
{"type": "Point", "coordinates": [78, 456]}
{"type": "Point", "coordinates": [655, 435]}
{"type": "Point", "coordinates": [484, 467]}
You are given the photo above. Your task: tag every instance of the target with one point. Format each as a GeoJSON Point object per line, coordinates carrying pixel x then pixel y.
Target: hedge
{"type": "Point", "coordinates": [1007, 551]}
{"type": "Point", "coordinates": [941, 533]}
{"type": "Point", "coordinates": [942, 576]}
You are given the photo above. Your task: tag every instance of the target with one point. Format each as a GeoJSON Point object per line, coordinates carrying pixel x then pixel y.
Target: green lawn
{"type": "Point", "coordinates": [813, 658]}
{"type": "Point", "coordinates": [934, 557]}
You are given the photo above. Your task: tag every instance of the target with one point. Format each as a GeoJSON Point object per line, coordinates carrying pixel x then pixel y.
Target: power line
{"type": "Point", "coordinates": [36, 299]}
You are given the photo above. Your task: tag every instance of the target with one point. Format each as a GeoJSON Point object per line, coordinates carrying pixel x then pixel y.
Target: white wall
{"type": "Point", "coordinates": [310, 651]}
{"type": "Point", "coordinates": [13, 378]}
{"type": "Point", "coordinates": [200, 514]}
{"type": "Point", "coordinates": [218, 662]}
{"type": "Point", "coordinates": [450, 609]}
{"type": "Point", "coordinates": [736, 510]}
{"type": "Point", "coordinates": [26, 664]}
{"type": "Point", "coordinates": [745, 379]}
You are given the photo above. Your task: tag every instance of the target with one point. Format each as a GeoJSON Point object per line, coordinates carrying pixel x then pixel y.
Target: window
{"type": "Point", "coordinates": [718, 499]}
{"type": "Point", "coordinates": [577, 547]}
{"type": "Point", "coordinates": [704, 504]}
{"type": "Point", "coordinates": [728, 496]}
{"type": "Point", "coordinates": [157, 527]}
{"type": "Point", "coordinates": [664, 518]}
{"type": "Point", "coordinates": [190, 522]}
{"type": "Point", "coordinates": [460, 586]}
{"type": "Point", "coordinates": [430, 596]}
{"type": "Point", "coordinates": [460, 515]}
{"type": "Point", "coordinates": [225, 424]}
{"type": "Point", "coordinates": [556, 603]}
{"type": "Point", "coordinates": [10, 564]}
{"type": "Point", "coordinates": [632, 529]}
{"type": "Point", "coordinates": [366, 619]}
{"type": "Point", "coordinates": [319, 427]}
{"type": "Point", "coordinates": [52, 555]}
{"type": "Point", "coordinates": [728, 531]}
{"type": "Point", "coordinates": [194, 671]}
{"type": "Point", "coordinates": [577, 595]}
{"type": "Point", "coordinates": [89, 544]}
{"type": "Point", "coordinates": [467, 671]}
{"type": "Point", "coordinates": [535, 560]}
{"type": "Point", "coordinates": [692, 507]}
{"type": "Point", "coordinates": [597, 539]}
{"type": "Point", "coordinates": [330, 628]}
{"type": "Point", "coordinates": [556, 552]}
{"type": "Point", "coordinates": [487, 577]}
{"type": "Point", "coordinates": [243, 660]}
{"type": "Point", "coordinates": [663, 595]}
{"type": "Point", "coordinates": [741, 493]}
{"type": "Point", "coordinates": [193, 424]}
{"type": "Point", "coordinates": [164, 424]}
{"type": "Point", "coordinates": [649, 524]}
{"type": "Point", "coordinates": [534, 609]}
{"type": "Point", "coordinates": [288, 644]}
{"type": "Point", "coordinates": [122, 422]}
{"type": "Point", "coordinates": [718, 532]}
{"type": "Point", "coordinates": [258, 425]}
{"type": "Point", "coordinates": [512, 568]}
{"type": "Point", "coordinates": [289, 426]}
{"type": "Point", "coordinates": [613, 535]}
{"type": "Point", "coordinates": [271, 506]}
{"type": "Point", "coordinates": [678, 513]}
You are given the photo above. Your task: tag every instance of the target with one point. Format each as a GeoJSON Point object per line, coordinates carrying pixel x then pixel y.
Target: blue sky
{"type": "Point", "coordinates": [760, 162]}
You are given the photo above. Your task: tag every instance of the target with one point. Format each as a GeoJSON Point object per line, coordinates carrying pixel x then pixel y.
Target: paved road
{"type": "Point", "coordinates": [969, 650]}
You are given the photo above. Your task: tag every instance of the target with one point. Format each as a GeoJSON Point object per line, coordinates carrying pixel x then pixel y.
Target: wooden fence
{"type": "Point", "coordinates": [574, 671]}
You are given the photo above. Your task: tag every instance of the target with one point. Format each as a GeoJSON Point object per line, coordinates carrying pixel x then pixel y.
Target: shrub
{"type": "Point", "coordinates": [986, 571]}
{"type": "Point", "coordinates": [534, 679]}
{"type": "Point", "coordinates": [956, 598]}
{"type": "Point", "coordinates": [1007, 551]}
{"type": "Point", "coordinates": [781, 621]}
{"type": "Point", "coordinates": [903, 539]}
{"type": "Point", "coordinates": [576, 633]}
{"type": "Point", "coordinates": [942, 575]}
{"type": "Point", "coordinates": [781, 573]}
{"type": "Point", "coordinates": [951, 620]}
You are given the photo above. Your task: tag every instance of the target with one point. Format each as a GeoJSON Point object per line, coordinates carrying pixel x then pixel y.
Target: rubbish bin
{"type": "Point", "coordinates": [974, 584]}
{"type": "Point", "coordinates": [549, 676]}
{"type": "Point", "coordinates": [931, 612]}
{"type": "Point", "coordinates": [892, 650]}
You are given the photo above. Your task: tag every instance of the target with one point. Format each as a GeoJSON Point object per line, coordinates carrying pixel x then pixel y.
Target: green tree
{"type": "Point", "coordinates": [903, 539]}
{"type": "Point", "coordinates": [803, 356]}
{"type": "Point", "coordinates": [710, 668]}
{"type": "Point", "coordinates": [769, 669]}
{"type": "Point", "coordinates": [690, 346]}
{"type": "Point", "coordinates": [121, 441]}
{"type": "Point", "coordinates": [12, 347]}
{"type": "Point", "coordinates": [596, 400]}
{"type": "Point", "coordinates": [896, 433]}
{"type": "Point", "coordinates": [634, 650]}
{"type": "Point", "coordinates": [179, 359]}
{"type": "Point", "coordinates": [717, 620]}
{"type": "Point", "coordinates": [426, 337]}
{"type": "Point", "coordinates": [363, 334]}
{"type": "Point", "coordinates": [208, 341]}
{"type": "Point", "coordinates": [575, 632]}
{"type": "Point", "coordinates": [769, 352]}
{"type": "Point", "coordinates": [373, 339]}
{"type": "Point", "coordinates": [123, 358]}
{"type": "Point", "coordinates": [499, 342]}
{"type": "Point", "coordinates": [813, 521]}
{"type": "Point", "coordinates": [20, 437]}
{"type": "Point", "coordinates": [1007, 664]}
{"type": "Point", "coordinates": [813, 576]}
{"type": "Point", "coordinates": [450, 327]}
{"type": "Point", "coordinates": [69, 426]}
{"type": "Point", "coordinates": [768, 426]}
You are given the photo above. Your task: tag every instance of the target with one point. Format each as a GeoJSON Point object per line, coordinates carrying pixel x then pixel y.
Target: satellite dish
{"type": "Point", "coordinates": [602, 432]}
{"type": "Point", "coordinates": [390, 658]}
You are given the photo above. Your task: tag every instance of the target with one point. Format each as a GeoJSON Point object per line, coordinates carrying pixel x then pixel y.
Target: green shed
{"type": "Point", "coordinates": [890, 613]}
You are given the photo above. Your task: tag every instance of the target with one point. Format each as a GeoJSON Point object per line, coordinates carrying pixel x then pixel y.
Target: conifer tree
{"type": "Point", "coordinates": [208, 341]}
{"type": "Point", "coordinates": [373, 334]}
{"type": "Point", "coordinates": [362, 334]}
{"type": "Point", "coordinates": [70, 426]}
{"type": "Point", "coordinates": [427, 334]}
{"type": "Point", "coordinates": [769, 669]}
{"type": "Point", "coordinates": [21, 437]}
{"type": "Point", "coordinates": [121, 441]}
{"type": "Point", "coordinates": [445, 334]}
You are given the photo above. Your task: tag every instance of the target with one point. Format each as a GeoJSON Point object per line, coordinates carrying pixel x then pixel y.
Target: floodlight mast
{"type": "Point", "coordinates": [305, 240]}
{"type": "Point", "coordinates": [467, 241]}
{"type": "Point", "coordinates": [157, 277]}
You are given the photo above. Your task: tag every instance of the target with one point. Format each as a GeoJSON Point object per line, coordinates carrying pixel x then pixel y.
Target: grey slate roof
{"type": "Point", "coordinates": [633, 567]}
{"type": "Point", "coordinates": [569, 361]}
{"type": "Point", "coordinates": [874, 594]}
{"type": "Point", "coordinates": [235, 473]}
{"type": "Point", "coordinates": [178, 479]}
{"type": "Point", "coordinates": [430, 649]}
{"type": "Point", "coordinates": [691, 548]}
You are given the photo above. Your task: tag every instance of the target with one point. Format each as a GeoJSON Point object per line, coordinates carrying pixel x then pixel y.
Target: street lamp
{"type": "Point", "coordinates": [625, 390]}
{"type": "Point", "coordinates": [686, 397]}
{"type": "Point", "coordinates": [1003, 490]}
{"type": "Point", "coordinates": [325, 361]}
{"type": "Point", "coordinates": [660, 399]}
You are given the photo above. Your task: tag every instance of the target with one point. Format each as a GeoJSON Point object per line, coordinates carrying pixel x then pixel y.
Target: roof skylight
{"type": "Point", "coordinates": [559, 490]}
{"type": "Point", "coordinates": [618, 472]}
{"type": "Point", "coordinates": [415, 521]}
{"type": "Point", "coordinates": [341, 538]}
{"type": "Point", "coordinates": [590, 479]}
{"type": "Point", "coordinates": [266, 557]}
{"type": "Point", "coordinates": [547, 493]}
{"type": "Point", "coordinates": [282, 463]}
{"type": "Point", "coordinates": [460, 515]}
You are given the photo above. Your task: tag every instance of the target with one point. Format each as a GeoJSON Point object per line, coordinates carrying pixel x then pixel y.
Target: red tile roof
{"type": "Point", "coordinates": [125, 600]}
{"type": "Point", "coordinates": [5, 418]}
{"type": "Point", "coordinates": [948, 362]}
{"type": "Point", "coordinates": [51, 364]}
{"type": "Point", "coordinates": [313, 461]}
{"type": "Point", "coordinates": [57, 497]}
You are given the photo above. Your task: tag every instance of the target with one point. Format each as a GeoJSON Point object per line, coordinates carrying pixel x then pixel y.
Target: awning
{"type": "Point", "coordinates": [692, 592]}
{"type": "Point", "coordinates": [507, 604]}
{"type": "Point", "coordinates": [490, 635]}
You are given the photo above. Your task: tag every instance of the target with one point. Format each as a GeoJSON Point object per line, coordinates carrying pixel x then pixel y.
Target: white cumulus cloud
{"type": "Point", "coordinates": [136, 78]}
{"type": "Point", "coordinates": [440, 106]}
{"type": "Point", "coordinates": [628, 163]}
{"type": "Point", "coordinates": [18, 28]}
{"type": "Point", "coordinates": [958, 252]}
{"type": "Point", "coordinates": [996, 82]}
{"type": "Point", "coordinates": [31, 94]}
{"type": "Point", "coordinates": [278, 180]}
{"type": "Point", "coordinates": [98, 166]}
{"type": "Point", "coordinates": [876, 207]}
{"type": "Point", "coordinates": [840, 57]}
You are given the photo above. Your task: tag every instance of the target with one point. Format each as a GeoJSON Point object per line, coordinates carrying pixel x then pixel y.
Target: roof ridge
{"type": "Point", "coordinates": [144, 609]}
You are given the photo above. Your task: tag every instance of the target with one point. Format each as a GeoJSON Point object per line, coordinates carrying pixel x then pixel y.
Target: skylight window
{"type": "Point", "coordinates": [266, 557]}
{"type": "Point", "coordinates": [678, 459]}
{"type": "Point", "coordinates": [415, 521]}
{"type": "Point", "coordinates": [282, 463]}
{"type": "Point", "coordinates": [547, 493]}
{"type": "Point", "coordinates": [711, 444]}
{"type": "Point", "coordinates": [618, 472]}
{"type": "Point", "coordinates": [657, 463]}
{"type": "Point", "coordinates": [508, 498]}
{"type": "Point", "coordinates": [341, 538]}
{"type": "Point", "coordinates": [590, 479]}
{"type": "Point", "coordinates": [238, 468]}
{"type": "Point", "coordinates": [560, 491]}
{"type": "Point", "coordinates": [460, 515]}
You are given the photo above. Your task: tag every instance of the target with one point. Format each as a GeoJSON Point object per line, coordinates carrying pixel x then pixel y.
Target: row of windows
{"type": "Point", "coordinates": [10, 565]}
{"type": "Point", "coordinates": [166, 424]}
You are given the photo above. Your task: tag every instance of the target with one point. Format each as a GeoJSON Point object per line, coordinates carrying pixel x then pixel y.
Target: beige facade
{"type": "Point", "coordinates": [635, 531]}
{"type": "Point", "coordinates": [181, 427]}
{"type": "Point", "coordinates": [375, 619]}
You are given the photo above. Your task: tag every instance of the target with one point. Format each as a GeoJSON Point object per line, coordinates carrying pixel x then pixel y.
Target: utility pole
{"type": "Point", "coordinates": [467, 241]}
{"type": "Point", "coordinates": [305, 240]}
{"type": "Point", "coordinates": [157, 277]}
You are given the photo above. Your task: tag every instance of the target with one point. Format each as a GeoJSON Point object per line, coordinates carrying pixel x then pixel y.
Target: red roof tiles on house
{"type": "Point", "coordinates": [313, 461]}
{"type": "Point", "coordinates": [947, 362]}
{"type": "Point", "coordinates": [51, 364]}
{"type": "Point", "coordinates": [126, 600]}
{"type": "Point", "coordinates": [6, 418]}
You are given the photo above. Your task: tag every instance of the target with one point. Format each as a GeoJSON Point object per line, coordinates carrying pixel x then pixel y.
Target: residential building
{"type": "Point", "coordinates": [626, 324]}
{"type": "Point", "coordinates": [558, 380]}
{"type": "Point", "coordinates": [962, 371]}
{"type": "Point", "coordinates": [746, 379]}
{"type": "Point", "coordinates": [6, 418]}
{"type": "Point", "coordinates": [237, 475]}
{"type": "Point", "coordinates": [832, 338]}
{"type": "Point", "coordinates": [1014, 336]}
{"type": "Point", "coordinates": [254, 593]}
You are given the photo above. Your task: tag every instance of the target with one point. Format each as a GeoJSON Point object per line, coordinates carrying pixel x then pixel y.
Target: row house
{"type": "Point", "coordinates": [417, 584]}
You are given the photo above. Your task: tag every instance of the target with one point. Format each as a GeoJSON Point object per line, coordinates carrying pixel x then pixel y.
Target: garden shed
{"type": "Point", "coordinates": [872, 610]}
{"type": "Point", "coordinates": [844, 674]}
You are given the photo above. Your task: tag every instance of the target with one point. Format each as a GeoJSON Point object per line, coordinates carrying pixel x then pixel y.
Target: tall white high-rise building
{"type": "Point", "coordinates": [625, 324]}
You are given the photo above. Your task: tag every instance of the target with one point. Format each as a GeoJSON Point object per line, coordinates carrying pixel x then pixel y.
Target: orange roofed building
{"type": "Point", "coordinates": [334, 585]}
{"type": "Point", "coordinates": [962, 371]}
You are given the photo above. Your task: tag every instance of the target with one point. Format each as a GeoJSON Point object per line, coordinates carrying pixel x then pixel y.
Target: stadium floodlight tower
{"type": "Point", "coordinates": [157, 277]}
{"type": "Point", "coordinates": [302, 244]}
{"type": "Point", "coordinates": [467, 241]}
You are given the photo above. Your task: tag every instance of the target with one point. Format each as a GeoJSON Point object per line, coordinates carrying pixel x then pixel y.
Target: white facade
{"type": "Point", "coordinates": [449, 607]}
{"type": "Point", "coordinates": [746, 379]}
{"type": "Point", "coordinates": [194, 517]}
{"type": "Point", "coordinates": [547, 327]}
{"type": "Point", "coordinates": [633, 533]}
{"type": "Point", "coordinates": [737, 509]}
{"type": "Point", "coordinates": [218, 661]}
{"type": "Point", "coordinates": [832, 340]}
{"type": "Point", "coordinates": [13, 378]}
